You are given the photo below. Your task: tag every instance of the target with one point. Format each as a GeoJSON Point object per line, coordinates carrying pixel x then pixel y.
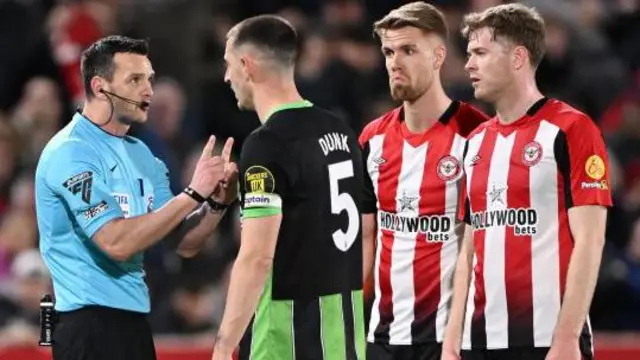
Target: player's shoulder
{"type": "Point", "coordinates": [260, 140]}
{"type": "Point", "coordinates": [468, 117]}
{"type": "Point", "coordinates": [379, 125]}
{"type": "Point", "coordinates": [482, 127]}
{"type": "Point", "coordinates": [567, 117]}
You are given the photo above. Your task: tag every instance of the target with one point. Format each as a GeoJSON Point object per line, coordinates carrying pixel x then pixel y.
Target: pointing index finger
{"type": "Point", "coordinates": [207, 152]}
{"type": "Point", "coordinates": [226, 150]}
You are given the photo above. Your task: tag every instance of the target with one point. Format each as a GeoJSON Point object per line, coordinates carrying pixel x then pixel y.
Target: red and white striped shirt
{"type": "Point", "coordinates": [413, 186]}
{"type": "Point", "coordinates": [521, 179]}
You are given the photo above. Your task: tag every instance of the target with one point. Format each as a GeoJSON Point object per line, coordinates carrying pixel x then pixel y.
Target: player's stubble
{"type": "Point", "coordinates": [402, 92]}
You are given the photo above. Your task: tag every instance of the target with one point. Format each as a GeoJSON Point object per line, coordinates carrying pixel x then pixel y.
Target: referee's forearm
{"type": "Point", "coordinates": [121, 238]}
{"type": "Point", "coordinates": [581, 282]}
{"type": "Point", "coordinates": [196, 228]}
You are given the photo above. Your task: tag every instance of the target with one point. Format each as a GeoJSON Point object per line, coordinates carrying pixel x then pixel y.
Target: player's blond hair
{"type": "Point", "coordinates": [519, 24]}
{"type": "Point", "coordinates": [419, 14]}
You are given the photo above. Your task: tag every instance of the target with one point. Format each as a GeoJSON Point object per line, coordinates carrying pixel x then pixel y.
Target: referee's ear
{"type": "Point", "coordinates": [97, 87]}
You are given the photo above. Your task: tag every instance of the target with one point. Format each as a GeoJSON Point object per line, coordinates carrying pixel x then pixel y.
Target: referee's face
{"type": "Point", "coordinates": [132, 79]}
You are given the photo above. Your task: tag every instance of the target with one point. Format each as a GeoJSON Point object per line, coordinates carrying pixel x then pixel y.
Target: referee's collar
{"type": "Point", "coordinates": [94, 128]}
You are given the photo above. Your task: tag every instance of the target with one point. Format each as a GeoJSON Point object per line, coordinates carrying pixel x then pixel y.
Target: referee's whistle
{"type": "Point", "coordinates": [47, 319]}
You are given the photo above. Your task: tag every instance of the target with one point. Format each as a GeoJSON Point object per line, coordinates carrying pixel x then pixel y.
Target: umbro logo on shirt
{"type": "Point", "coordinates": [379, 161]}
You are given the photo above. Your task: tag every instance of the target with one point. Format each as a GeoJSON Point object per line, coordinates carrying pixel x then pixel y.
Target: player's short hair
{"type": "Point", "coordinates": [97, 59]}
{"type": "Point", "coordinates": [419, 14]}
{"type": "Point", "coordinates": [272, 35]}
{"type": "Point", "coordinates": [518, 23]}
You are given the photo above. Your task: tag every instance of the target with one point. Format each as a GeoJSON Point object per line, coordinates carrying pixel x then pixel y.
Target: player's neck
{"type": "Point", "coordinates": [516, 100]}
{"type": "Point", "coordinates": [273, 95]}
{"type": "Point", "coordinates": [98, 115]}
{"type": "Point", "coordinates": [421, 114]}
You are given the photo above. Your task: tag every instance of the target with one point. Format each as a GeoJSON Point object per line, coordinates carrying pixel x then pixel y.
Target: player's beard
{"type": "Point", "coordinates": [405, 93]}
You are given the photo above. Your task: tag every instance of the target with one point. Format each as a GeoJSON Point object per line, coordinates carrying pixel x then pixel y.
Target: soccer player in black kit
{"type": "Point", "coordinates": [298, 275]}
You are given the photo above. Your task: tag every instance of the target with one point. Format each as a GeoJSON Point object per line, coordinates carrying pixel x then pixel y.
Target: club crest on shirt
{"type": "Point", "coordinates": [449, 168]}
{"type": "Point", "coordinates": [532, 153]}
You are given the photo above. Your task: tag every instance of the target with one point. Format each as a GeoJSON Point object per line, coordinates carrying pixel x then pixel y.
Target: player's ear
{"type": "Point", "coordinates": [439, 55]}
{"type": "Point", "coordinates": [519, 57]}
{"type": "Point", "coordinates": [249, 67]}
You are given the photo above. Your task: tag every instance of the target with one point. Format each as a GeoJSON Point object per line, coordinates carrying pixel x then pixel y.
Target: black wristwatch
{"type": "Point", "coordinates": [215, 206]}
{"type": "Point", "coordinates": [194, 195]}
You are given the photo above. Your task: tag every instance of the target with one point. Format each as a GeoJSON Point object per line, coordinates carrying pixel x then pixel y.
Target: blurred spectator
{"type": "Point", "coordinates": [37, 117]}
{"type": "Point", "coordinates": [20, 308]}
{"type": "Point", "coordinates": [162, 132]}
{"type": "Point", "coordinates": [625, 147]}
{"type": "Point", "coordinates": [72, 27]}
{"type": "Point", "coordinates": [188, 310]}
{"type": "Point", "coordinates": [578, 67]}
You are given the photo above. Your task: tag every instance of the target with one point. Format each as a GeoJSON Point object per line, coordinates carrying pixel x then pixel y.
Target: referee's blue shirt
{"type": "Point", "coordinates": [85, 178]}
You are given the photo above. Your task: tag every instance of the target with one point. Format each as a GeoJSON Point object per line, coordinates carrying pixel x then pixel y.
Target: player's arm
{"type": "Point", "coordinates": [191, 235]}
{"type": "Point", "coordinates": [369, 224]}
{"type": "Point", "coordinates": [263, 182]}
{"type": "Point", "coordinates": [461, 282]}
{"type": "Point", "coordinates": [583, 162]}
{"type": "Point", "coordinates": [369, 228]}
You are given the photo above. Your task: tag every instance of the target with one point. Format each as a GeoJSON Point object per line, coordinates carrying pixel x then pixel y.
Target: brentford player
{"type": "Point", "coordinates": [537, 196]}
{"type": "Point", "coordinates": [413, 161]}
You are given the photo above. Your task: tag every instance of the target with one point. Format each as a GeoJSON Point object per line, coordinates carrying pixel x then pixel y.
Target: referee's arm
{"type": "Point", "coordinates": [77, 167]}
{"type": "Point", "coordinates": [189, 237]}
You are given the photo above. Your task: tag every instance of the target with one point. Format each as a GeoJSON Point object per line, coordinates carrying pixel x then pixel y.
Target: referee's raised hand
{"type": "Point", "coordinates": [209, 171]}
{"type": "Point", "coordinates": [227, 190]}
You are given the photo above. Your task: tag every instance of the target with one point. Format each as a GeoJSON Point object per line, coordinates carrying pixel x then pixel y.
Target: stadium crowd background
{"type": "Point", "coordinates": [593, 53]}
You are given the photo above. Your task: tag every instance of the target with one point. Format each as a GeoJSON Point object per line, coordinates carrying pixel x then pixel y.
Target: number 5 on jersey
{"type": "Point", "coordinates": [343, 202]}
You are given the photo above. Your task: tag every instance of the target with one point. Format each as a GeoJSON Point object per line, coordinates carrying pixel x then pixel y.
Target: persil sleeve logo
{"type": "Point", "coordinates": [436, 227]}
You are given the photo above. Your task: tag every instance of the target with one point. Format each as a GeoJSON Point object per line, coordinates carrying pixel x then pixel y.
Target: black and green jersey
{"type": "Point", "coordinates": [305, 164]}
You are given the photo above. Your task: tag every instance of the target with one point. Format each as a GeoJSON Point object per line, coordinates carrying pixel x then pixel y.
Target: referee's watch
{"type": "Point", "coordinates": [194, 195]}
{"type": "Point", "coordinates": [216, 207]}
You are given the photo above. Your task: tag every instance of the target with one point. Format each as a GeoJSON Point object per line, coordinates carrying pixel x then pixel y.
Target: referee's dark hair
{"type": "Point", "coordinates": [272, 35]}
{"type": "Point", "coordinates": [97, 59]}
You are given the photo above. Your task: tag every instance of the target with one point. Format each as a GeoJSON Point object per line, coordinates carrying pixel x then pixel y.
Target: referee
{"type": "Point", "coordinates": [298, 273]}
{"type": "Point", "coordinates": [102, 198]}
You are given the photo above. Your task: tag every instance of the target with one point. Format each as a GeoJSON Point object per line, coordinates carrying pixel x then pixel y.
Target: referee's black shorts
{"type": "Point", "coordinates": [101, 333]}
{"type": "Point", "coordinates": [377, 351]}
